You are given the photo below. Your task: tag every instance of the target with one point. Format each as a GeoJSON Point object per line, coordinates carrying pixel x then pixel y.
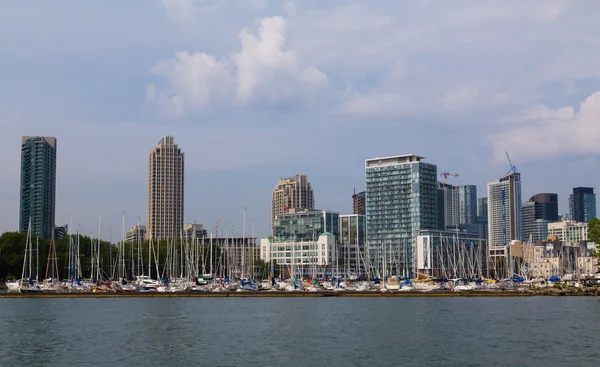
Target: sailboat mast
{"type": "Point", "coordinates": [98, 248]}
{"type": "Point", "coordinates": [30, 253]}
{"type": "Point", "coordinates": [243, 245]}
{"type": "Point", "coordinates": [49, 253]}
{"type": "Point", "coordinates": [37, 258]}
{"type": "Point", "coordinates": [26, 244]}
{"type": "Point", "coordinates": [252, 255]}
{"type": "Point", "coordinates": [211, 252]}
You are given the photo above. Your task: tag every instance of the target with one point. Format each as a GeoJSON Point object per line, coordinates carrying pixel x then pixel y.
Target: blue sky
{"type": "Point", "coordinates": [255, 90]}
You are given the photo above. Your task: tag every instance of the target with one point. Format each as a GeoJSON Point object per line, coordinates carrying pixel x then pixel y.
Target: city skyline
{"type": "Point", "coordinates": [437, 91]}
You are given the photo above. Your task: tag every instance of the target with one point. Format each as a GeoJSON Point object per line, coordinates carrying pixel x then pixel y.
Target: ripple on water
{"type": "Point", "coordinates": [532, 331]}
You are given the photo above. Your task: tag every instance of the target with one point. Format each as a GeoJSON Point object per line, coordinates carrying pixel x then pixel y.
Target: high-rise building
{"type": "Point", "coordinates": [450, 204]}
{"type": "Point", "coordinates": [482, 218]}
{"type": "Point", "coordinates": [441, 208]}
{"type": "Point", "coordinates": [165, 190]}
{"type": "Point", "coordinates": [504, 210]}
{"type": "Point", "coordinates": [358, 203]}
{"type": "Point", "coordinates": [353, 234]}
{"type": "Point", "coordinates": [291, 193]}
{"type": "Point", "coordinates": [60, 231]}
{"type": "Point", "coordinates": [305, 225]}
{"type": "Point", "coordinates": [38, 185]}
{"type": "Point", "coordinates": [482, 206]}
{"type": "Point", "coordinates": [458, 205]}
{"type": "Point", "coordinates": [568, 231]}
{"type": "Point", "coordinates": [136, 234]}
{"type": "Point", "coordinates": [401, 194]}
{"type": "Point", "coordinates": [533, 229]}
{"type": "Point", "coordinates": [582, 204]}
{"type": "Point", "coordinates": [536, 213]}
{"type": "Point", "coordinates": [467, 204]}
{"type": "Point", "coordinates": [194, 232]}
{"type": "Point", "coordinates": [546, 206]}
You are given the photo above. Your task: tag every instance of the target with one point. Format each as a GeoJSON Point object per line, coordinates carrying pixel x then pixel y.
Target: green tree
{"type": "Point", "coordinates": [594, 236]}
{"type": "Point", "coordinates": [12, 252]}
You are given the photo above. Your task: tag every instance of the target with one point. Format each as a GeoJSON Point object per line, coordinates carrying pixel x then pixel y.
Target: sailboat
{"type": "Point", "coordinates": [26, 285]}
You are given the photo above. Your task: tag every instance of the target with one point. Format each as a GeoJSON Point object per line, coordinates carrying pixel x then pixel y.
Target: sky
{"type": "Point", "coordinates": [256, 90]}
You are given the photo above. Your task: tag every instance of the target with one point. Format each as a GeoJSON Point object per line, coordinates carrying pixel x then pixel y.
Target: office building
{"type": "Point", "coordinates": [291, 193]}
{"type": "Point", "coordinates": [358, 203]}
{"type": "Point", "coordinates": [305, 225]}
{"type": "Point", "coordinates": [450, 204]}
{"type": "Point", "coordinates": [504, 210]}
{"type": "Point", "coordinates": [194, 232]}
{"type": "Point", "coordinates": [457, 207]}
{"type": "Point", "coordinates": [38, 185]}
{"type": "Point", "coordinates": [441, 214]}
{"type": "Point", "coordinates": [467, 204]}
{"type": "Point", "coordinates": [136, 234]}
{"type": "Point", "coordinates": [568, 231]}
{"type": "Point", "coordinates": [401, 193]}
{"type": "Point", "coordinates": [301, 259]}
{"type": "Point", "coordinates": [450, 254]}
{"type": "Point", "coordinates": [482, 227]}
{"type": "Point", "coordinates": [536, 213]}
{"type": "Point", "coordinates": [582, 204]}
{"type": "Point", "coordinates": [60, 231]}
{"type": "Point", "coordinates": [546, 206]}
{"type": "Point", "coordinates": [482, 207]}
{"type": "Point", "coordinates": [482, 218]}
{"type": "Point", "coordinates": [351, 243]}
{"type": "Point", "coordinates": [533, 229]}
{"type": "Point", "coordinates": [165, 190]}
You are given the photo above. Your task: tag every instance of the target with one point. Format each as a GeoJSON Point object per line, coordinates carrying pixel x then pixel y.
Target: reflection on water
{"type": "Point", "coordinates": [530, 331]}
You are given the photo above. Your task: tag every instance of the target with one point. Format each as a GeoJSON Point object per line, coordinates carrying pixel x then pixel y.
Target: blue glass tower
{"type": "Point", "coordinates": [38, 185]}
{"type": "Point", "coordinates": [401, 200]}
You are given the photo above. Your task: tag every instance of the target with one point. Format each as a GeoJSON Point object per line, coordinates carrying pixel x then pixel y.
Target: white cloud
{"type": "Point", "coordinates": [543, 132]}
{"type": "Point", "coordinates": [263, 70]}
{"type": "Point", "coordinates": [431, 59]}
{"type": "Point", "coordinates": [262, 54]}
{"type": "Point", "coordinates": [195, 80]}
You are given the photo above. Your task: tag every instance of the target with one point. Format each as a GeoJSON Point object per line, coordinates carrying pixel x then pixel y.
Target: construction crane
{"type": "Point", "coordinates": [513, 169]}
{"type": "Point", "coordinates": [445, 175]}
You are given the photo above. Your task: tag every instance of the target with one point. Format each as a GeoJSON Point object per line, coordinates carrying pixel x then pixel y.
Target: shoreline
{"type": "Point", "coordinates": [545, 293]}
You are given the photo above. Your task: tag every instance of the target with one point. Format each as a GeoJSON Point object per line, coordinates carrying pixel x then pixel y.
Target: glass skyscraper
{"type": "Point", "coordinates": [582, 204]}
{"type": "Point", "coordinates": [38, 185]}
{"type": "Point", "coordinates": [467, 204]}
{"type": "Point", "coordinates": [305, 225]}
{"type": "Point", "coordinates": [504, 210]}
{"type": "Point", "coordinates": [401, 200]}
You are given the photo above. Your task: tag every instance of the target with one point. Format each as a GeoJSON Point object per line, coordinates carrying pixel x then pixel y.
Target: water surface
{"type": "Point", "coordinates": [528, 331]}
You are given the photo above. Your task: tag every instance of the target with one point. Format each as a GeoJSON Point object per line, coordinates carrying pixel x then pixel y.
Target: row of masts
{"type": "Point", "coordinates": [187, 259]}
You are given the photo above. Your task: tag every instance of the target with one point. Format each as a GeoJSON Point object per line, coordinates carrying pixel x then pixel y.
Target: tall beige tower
{"type": "Point", "coordinates": [165, 190]}
{"type": "Point", "coordinates": [291, 193]}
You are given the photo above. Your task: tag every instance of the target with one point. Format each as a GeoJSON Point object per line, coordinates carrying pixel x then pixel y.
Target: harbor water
{"type": "Point", "coordinates": [412, 331]}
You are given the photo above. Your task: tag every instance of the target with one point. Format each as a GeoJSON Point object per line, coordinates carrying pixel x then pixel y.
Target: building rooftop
{"type": "Point", "coordinates": [396, 159]}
